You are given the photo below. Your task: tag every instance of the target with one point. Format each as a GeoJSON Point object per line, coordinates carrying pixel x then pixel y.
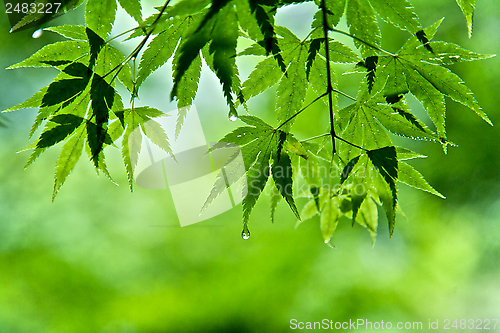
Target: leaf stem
{"type": "Point", "coordinates": [300, 111]}
{"type": "Point", "coordinates": [362, 41]}
{"type": "Point", "coordinates": [352, 144]}
{"type": "Point", "coordinates": [328, 75]}
{"type": "Point", "coordinates": [315, 137]}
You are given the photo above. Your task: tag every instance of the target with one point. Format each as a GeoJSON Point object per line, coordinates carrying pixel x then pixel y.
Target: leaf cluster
{"type": "Point", "coordinates": [82, 110]}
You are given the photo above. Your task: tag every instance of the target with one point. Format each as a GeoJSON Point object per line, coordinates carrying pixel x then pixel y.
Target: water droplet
{"type": "Point", "coordinates": [327, 242]}
{"type": "Point", "coordinates": [245, 234]}
{"type": "Point", "coordinates": [37, 34]}
{"type": "Point", "coordinates": [233, 115]}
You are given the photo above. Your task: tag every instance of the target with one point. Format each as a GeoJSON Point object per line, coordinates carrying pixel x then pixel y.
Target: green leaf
{"type": "Point", "coordinates": [385, 159]}
{"type": "Point", "coordinates": [348, 168]}
{"type": "Point", "coordinates": [56, 133]}
{"type": "Point", "coordinates": [368, 217]}
{"type": "Point", "coordinates": [265, 75]}
{"type": "Point", "coordinates": [432, 100]}
{"type": "Point", "coordinates": [70, 31]}
{"type": "Point", "coordinates": [131, 143]}
{"type": "Point", "coordinates": [398, 119]}
{"type": "Point", "coordinates": [197, 37]}
{"type": "Point", "coordinates": [100, 16]}
{"type": "Point", "coordinates": [363, 25]}
{"type": "Point", "coordinates": [282, 173]}
{"type": "Point", "coordinates": [103, 96]}
{"type": "Point", "coordinates": [360, 127]}
{"type": "Point", "coordinates": [133, 8]}
{"type": "Point", "coordinates": [161, 48]}
{"type": "Point", "coordinates": [409, 176]}
{"type": "Point", "coordinates": [257, 175]}
{"type": "Point", "coordinates": [292, 88]}
{"type": "Point", "coordinates": [247, 21]}
{"type": "Point", "coordinates": [188, 85]}
{"type": "Point", "coordinates": [398, 12]}
{"type": "Point", "coordinates": [335, 10]}
{"type": "Point", "coordinates": [388, 197]}
{"type": "Point", "coordinates": [275, 199]}
{"type": "Point", "coordinates": [450, 53]}
{"type": "Point", "coordinates": [448, 84]}
{"type": "Point", "coordinates": [63, 91]}
{"type": "Point", "coordinates": [329, 217]}
{"type": "Point", "coordinates": [468, 7]}
{"type": "Point", "coordinates": [386, 162]}
{"type": "Point", "coordinates": [68, 157]}
{"type": "Point", "coordinates": [67, 51]}
{"type": "Point", "coordinates": [360, 183]}
{"type": "Point", "coordinates": [407, 154]}
{"type": "Point", "coordinates": [223, 47]}
{"type": "Point", "coordinates": [339, 53]}
{"type": "Point", "coordinates": [157, 135]}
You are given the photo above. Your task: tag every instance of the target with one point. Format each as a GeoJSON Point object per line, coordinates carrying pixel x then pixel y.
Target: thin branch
{"type": "Point", "coordinates": [139, 47]}
{"type": "Point", "coordinates": [328, 75]}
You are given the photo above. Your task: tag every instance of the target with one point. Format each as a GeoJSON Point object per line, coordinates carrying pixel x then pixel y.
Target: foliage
{"type": "Point", "coordinates": [82, 109]}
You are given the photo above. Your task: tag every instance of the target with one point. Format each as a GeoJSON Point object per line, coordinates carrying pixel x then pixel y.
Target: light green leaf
{"type": "Point", "coordinates": [368, 217]}
{"type": "Point", "coordinates": [448, 83]}
{"type": "Point", "coordinates": [100, 16]}
{"type": "Point", "coordinates": [265, 75]}
{"type": "Point", "coordinates": [398, 12]}
{"type": "Point", "coordinates": [257, 175]}
{"type": "Point", "coordinates": [363, 24]}
{"type": "Point", "coordinates": [292, 88]}
{"type": "Point", "coordinates": [398, 119]}
{"type": "Point", "coordinates": [282, 173]}
{"type": "Point", "coordinates": [56, 53]}
{"type": "Point", "coordinates": [247, 21]}
{"type": "Point", "coordinates": [223, 47]}
{"type": "Point", "coordinates": [407, 154]}
{"type": "Point", "coordinates": [133, 8]}
{"type": "Point", "coordinates": [339, 53]}
{"type": "Point", "coordinates": [432, 100]}
{"type": "Point", "coordinates": [68, 157]}
{"type": "Point", "coordinates": [450, 53]}
{"type": "Point", "coordinates": [409, 176]}
{"type": "Point", "coordinates": [157, 135]}
{"type": "Point", "coordinates": [335, 10]}
{"type": "Point", "coordinates": [468, 7]}
{"type": "Point", "coordinates": [275, 199]}
{"type": "Point", "coordinates": [70, 31]}
{"type": "Point", "coordinates": [329, 217]}
{"type": "Point", "coordinates": [161, 49]}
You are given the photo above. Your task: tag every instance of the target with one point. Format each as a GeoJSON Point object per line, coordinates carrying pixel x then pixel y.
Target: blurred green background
{"type": "Point", "coordinates": [102, 259]}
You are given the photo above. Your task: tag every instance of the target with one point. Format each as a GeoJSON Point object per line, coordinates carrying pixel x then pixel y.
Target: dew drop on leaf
{"type": "Point", "coordinates": [233, 115]}
{"type": "Point", "coordinates": [37, 34]}
{"type": "Point", "coordinates": [245, 234]}
{"type": "Point", "coordinates": [327, 242]}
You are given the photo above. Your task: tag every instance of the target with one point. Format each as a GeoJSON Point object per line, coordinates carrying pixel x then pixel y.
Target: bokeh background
{"type": "Point", "coordinates": [102, 259]}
